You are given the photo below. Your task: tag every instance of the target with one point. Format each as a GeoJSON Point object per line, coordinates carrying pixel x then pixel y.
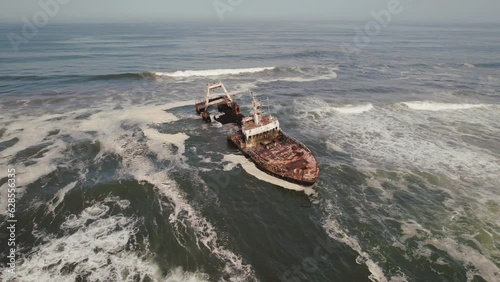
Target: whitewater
{"type": "Point", "coordinates": [120, 180]}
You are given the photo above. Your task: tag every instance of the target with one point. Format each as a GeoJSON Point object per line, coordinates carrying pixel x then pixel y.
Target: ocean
{"type": "Point", "coordinates": [118, 179]}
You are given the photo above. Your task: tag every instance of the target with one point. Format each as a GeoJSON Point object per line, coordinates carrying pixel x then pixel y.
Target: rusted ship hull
{"type": "Point", "coordinates": [282, 157]}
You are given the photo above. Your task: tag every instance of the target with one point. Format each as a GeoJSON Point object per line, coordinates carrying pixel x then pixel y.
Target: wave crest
{"type": "Point", "coordinates": [124, 76]}
{"type": "Point", "coordinates": [214, 72]}
{"type": "Point", "coordinates": [436, 106]}
{"type": "Point", "coordinates": [353, 109]}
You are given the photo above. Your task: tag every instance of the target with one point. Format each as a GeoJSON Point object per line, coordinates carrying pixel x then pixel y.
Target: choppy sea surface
{"type": "Point", "coordinates": [118, 179]}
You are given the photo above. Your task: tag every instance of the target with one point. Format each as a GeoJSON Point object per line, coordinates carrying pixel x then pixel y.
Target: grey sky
{"type": "Point", "coordinates": [157, 10]}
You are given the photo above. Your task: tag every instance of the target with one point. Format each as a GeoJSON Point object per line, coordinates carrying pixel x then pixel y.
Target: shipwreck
{"type": "Point", "coordinates": [261, 139]}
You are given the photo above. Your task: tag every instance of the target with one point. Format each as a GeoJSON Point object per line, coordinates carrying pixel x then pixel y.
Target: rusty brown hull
{"type": "Point", "coordinates": [282, 157]}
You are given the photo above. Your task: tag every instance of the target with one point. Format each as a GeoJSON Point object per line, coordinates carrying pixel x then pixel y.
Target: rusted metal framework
{"type": "Point", "coordinates": [224, 103]}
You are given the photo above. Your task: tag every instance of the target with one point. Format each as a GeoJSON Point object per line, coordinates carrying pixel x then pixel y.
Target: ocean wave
{"type": "Point", "coordinates": [97, 247]}
{"type": "Point", "coordinates": [388, 136]}
{"type": "Point", "coordinates": [336, 232]}
{"type": "Point", "coordinates": [116, 76]}
{"type": "Point", "coordinates": [184, 215]}
{"type": "Point", "coordinates": [282, 73]}
{"type": "Point", "coordinates": [131, 134]}
{"type": "Point", "coordinates": [133, 148]}
{"type": "Point", "coordinates": [436, 106]}
{"type": "Point", "coordinates": [214, 72]}
{"type": "Point", "coordinates": [26, 77]}
{"type": "Point", "coordinates": [489, 65]}
{"type": "Point", "coordinates": [321, 109]}
{"type": "Point", "coordinates": [142, 75]}
{"type": "Point", "coordinates": [353, 109]}
{"type": "Point", "coordinates": [286, 73]}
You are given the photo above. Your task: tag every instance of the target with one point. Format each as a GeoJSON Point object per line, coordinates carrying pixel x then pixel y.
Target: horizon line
{"type": "Point", "coordinates": [251, 20]}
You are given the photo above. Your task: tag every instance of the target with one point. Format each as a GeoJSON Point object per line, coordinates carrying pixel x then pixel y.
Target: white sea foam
{"type": "Point", "coordinates": [336, 232]}
{"type": "Point", "coordinates": [334, 147]}
{"type": "Point", "coordinates": [482, 266]}
{"type": "Point", "coordinates": [317, 107]}
{"type": "Point", "coordinates": [329, 76]}
{"type": "Point", "coordinates": [302, 77]}
{"type": "Point", "coordinates": [123, 204]}
{"type": "Point", "coordinates": [215, 72]}
{"type": "Point", "coordinates": [28, 135]}
{"type": "Point", "coordinates": [33, 130]}
{"type": "Point", "coordinates": [117, 132]}
{"type": "Point", "coordinates": [353, 109]}
{"type": "Point", "coordinates": [251, 169]}
{"type": "Point", "coordinates": [59, 197]}
{"type": "Point", "coordinates": [411, 142]}
{"type": "Point", "coordinates": [186, 215]}
{"type": "Point", "coordinates": [158, 142]}
{"type": "Point", "coordinates": [406, 139]}
{"type": "Point", "coordinates": [136, 164]}
{"type": "Point", "coordinates": [319, 73]}
{"type": "Point", "coordinates": [27, 174]}
{"type": "Point", "coordinates": [412, 229]}
{"type": "Point", "coordinates": [435, 106]}
{"type": "Point", "coordinates": [98, 250]}
{"type": "Point", "coordinates": [108, 126]}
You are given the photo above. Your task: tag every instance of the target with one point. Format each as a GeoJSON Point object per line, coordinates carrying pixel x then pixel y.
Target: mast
{"type": "Point", "coordinates": [257, 111]}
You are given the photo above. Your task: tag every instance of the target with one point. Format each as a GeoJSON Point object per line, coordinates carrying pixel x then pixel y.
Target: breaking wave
{"type": "Point", "coordinates": [319, 108]}
{"type": "Point", "coordinates": [214, 72]}
{"type": "Point", "coordinates": [387, 136]}
{"type": "Point", "coordinates": [130, 134]}
{"type": "Point", "coordinates": [143, 75]}
{"type": "Point", "coordinates": [353, 109]}
{"type": "Point", "coordinates": [436, 106]}
{"type": "Point", "coordinates": [117, 76]}
{"type": "Point", "coordinates": [489, 65]}
{"type": "Point", "coordinates": [300, 74]}
{"type": "Point", "coordinates": [95, 247]}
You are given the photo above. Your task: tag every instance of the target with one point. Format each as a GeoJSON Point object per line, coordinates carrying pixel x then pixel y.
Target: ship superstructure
{"type": "Point", "coordinates": [258, 127]}
{"type": "Point", "coordinates": [262, 140]}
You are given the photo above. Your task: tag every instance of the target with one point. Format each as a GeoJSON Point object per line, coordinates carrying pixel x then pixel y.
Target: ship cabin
{"type": "Point", "coordinates": [259, 128]}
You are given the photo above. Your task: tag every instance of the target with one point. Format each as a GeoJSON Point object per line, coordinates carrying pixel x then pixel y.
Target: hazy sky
{"type": "Point", "coordinates": [157, 10]}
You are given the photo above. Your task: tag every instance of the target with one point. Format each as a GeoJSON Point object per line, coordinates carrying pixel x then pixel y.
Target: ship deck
{"type": "Point", "coordinates": [264, 121]}
{"type": "Point", "coordinates": [283, 157]}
